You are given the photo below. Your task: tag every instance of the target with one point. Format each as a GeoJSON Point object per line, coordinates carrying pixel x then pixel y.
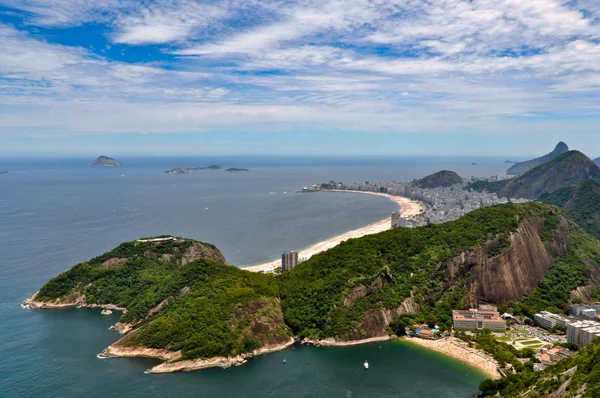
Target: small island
{"type": "Point", "coordinates": [236, 170]}
{"type": "Point", "coordinates": [3, 172]}
{"type": "Point", "coordinates": [188, 170]}
{"type": "Point", "coordinates": [179, 170]}
{"type": "Point", "coordinates": [105, 161]}
{"type": "Point", "coordinates": [474, 164]}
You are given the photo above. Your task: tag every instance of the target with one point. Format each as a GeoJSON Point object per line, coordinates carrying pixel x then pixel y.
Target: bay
{"type": "Point", "coordinates": [55, 213]}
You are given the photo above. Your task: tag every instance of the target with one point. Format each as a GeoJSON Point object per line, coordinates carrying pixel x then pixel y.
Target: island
{"type": "Point", "coordinates": [179, 170]}
{"type": "Point", "coordinates": [188, 170]}
{"type": "Point", "coordinates": [236, 170]}
{"type": "Point", "coordinates": [105, 161]}
{"type": "Point", "coordinates": [3, 172]}
{"type": "Point", "coordinates": [509, 162]}
{"type": "Point", "coordinates": [474, 164]}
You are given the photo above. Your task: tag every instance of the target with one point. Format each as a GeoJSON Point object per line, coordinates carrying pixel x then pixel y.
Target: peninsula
{"type": "Point", "coordinates": [105, 161]}
{"type": "Point", "coordinates": [197, 311]}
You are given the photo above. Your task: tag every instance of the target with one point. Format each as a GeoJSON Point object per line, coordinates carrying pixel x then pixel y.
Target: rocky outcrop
{"type": "Point", "coordinates": [113, 262]}
{"type": "Point", "coordinates": [376, 321]}
{"type": "Point", "coordinates": [361, 291]}
{"type": "Point", "coordinates": [75, 299]}
{"type": "Point", "coordinates": [513, 273]}
{"type": "Point", "coordinates": [199, 251]}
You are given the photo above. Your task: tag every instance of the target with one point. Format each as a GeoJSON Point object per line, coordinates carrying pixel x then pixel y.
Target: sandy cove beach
{"type": "Point", "coordinates": [409, 208]}
{"type": "Point", "coordinates": [460, 350]}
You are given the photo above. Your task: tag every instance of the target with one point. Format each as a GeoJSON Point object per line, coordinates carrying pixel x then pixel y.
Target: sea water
{"type": "Point", "coordinates": [55, 213]}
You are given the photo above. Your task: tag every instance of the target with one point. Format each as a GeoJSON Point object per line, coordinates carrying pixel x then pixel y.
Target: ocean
{"type": "Point", "coordinates": [55, 213]}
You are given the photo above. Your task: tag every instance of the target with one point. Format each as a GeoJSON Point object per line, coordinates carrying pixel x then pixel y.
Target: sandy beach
{"type": "Point", "coordinates": [458, 349]}
{"type": "Point", "coordinates": [409, 208]}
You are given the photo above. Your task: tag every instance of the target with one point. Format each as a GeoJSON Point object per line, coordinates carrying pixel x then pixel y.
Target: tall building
{"type": "Point", "coordinates": [395, 218]}
{"type": "Point", "coordinates": [289, 260]}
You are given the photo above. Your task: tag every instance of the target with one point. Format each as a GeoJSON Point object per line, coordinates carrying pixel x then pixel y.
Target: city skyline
{"type": "Point", "coordinates": [357, 77]}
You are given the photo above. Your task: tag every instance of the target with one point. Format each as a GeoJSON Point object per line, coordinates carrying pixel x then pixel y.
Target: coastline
{"type": "Point", "coordinates": [459, 350]}
{"type": "Point", "coordinates": [408, 208]}
{"type": "Point", "coordinates": [173, 364]}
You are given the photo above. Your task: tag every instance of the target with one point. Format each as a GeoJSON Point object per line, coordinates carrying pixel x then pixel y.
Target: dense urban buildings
{"type": "Point", "coordinates": [486, 317]}
{"type": "Point", "coordinates": [548, 320]}
{"type": "Point", "coordinates": [289, 260]}
{"type": "Point", "coordinates": [587, 310]}
{"type": "Point", "coordinates": [583, 332]}
{"type": "Point", "coordinates": [439, 204]}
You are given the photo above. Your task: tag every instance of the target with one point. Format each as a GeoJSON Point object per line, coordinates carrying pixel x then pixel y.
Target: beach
{"type": "Point", "coordinates": [460, 350]}
{"type": "Point", "coordinates": [408, 208]}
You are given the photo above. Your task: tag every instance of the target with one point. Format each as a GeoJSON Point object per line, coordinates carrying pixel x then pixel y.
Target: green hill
{"type": "Point", "coordinates": [522, 167]}
{"type": "Point", "coordinates": [581, 204]}
{"type": "Point", "coordinates": [183, 299]}
{"type": "Point", "coordinates": [567, 170]}
{"type": "Point", "coordinates": [441, 179]}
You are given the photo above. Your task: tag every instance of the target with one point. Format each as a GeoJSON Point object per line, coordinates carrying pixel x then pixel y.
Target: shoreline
{"type": "Point", "coordinates": [408, 208]}
{"type": "Point", "coordinates": [459, 350]}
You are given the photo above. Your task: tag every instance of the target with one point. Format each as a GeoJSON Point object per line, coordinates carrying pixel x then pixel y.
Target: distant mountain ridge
{"type": "Point", "coordinates": [522, 167]}
{"type": "Point", "coordinates": [441, 179]}
{"type": "Point", "coordinates": [105, 161]}
{"type": "Point", "coordinates": [597, 161]}
{"type": "Point", "coordinates": [566, 170]}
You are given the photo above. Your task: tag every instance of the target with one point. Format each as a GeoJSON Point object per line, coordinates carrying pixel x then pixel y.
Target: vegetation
{"type": "Point", "coordinates": [205, 308]}
{"type": "Point", "coordinates": [490, 186]}
{"type": "Point", "coordinates": [566, 170]}
{"type": "Point", "coordinates": [578, 376]}
{"type": "Point", "coordinates": [444, 178]}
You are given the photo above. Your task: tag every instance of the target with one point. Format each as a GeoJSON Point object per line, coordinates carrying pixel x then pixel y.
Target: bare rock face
{"type": "Point", "coordinates": [199, 251]}
{"type": "Point", "coordinates": [361, 291]}
{"type": "Point", "coordinates": [376, 321]}
{"type": "Point", "coordinates": [113, 262]}
{"type": "Point", "coordinates": [513, 273]}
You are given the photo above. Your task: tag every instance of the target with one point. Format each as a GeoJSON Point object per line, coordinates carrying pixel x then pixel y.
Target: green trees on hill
{"type": "Point", "coordinates": [210, 309]}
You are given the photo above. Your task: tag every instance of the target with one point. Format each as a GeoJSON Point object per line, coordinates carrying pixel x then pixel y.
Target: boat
{"type": "Point", "coordinates": [366, 365]}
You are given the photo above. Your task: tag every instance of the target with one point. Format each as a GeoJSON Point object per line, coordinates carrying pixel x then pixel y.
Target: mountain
{"type": "Point", "coordinates": [580, 203]}
{"type": "Point", "coordinates": [522, 167]}
{"type": "Point", "coordinates": [188, 308]}
{"type": "Point", "coordinates": [444, 178]}
{"type": "Point", "coordinates": [597, 161]}
{"type": "Point", "coordinates": [105, 161]}
{"type": "Point", "coordinates": [566, 170]}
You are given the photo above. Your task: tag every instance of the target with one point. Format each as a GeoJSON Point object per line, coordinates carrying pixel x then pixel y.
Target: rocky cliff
{"type": "Point", "coordinates": [513, 273]}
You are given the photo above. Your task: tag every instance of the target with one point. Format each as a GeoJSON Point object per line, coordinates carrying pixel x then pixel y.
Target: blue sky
{"type": "Point", "coordinates": [478, 77]}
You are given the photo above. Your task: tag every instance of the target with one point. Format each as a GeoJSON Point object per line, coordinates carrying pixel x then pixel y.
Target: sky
{"type": "Point", "coordinates": [356, 77]}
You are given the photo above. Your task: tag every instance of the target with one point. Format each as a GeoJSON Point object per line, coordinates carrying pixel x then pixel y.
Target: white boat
{"type": "Point", "coordinates": [366, 365]}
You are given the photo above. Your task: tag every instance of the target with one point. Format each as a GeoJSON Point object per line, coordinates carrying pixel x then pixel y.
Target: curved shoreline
{"type": "Point", "coordinates": [460, 351]}
{"type": "Point", "coordinates": [408, 208]}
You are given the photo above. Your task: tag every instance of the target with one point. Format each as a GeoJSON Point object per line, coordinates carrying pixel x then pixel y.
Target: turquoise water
{"type": "Point", "coordinates": [56, 213]}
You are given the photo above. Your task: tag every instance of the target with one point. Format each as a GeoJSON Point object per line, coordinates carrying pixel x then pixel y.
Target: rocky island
{"type": "Point", "coordinates": [236, 170]}
{"type": "Point", "coordinates": [197, 311]}
{"type": "Point", "coordinates": [105, 161]}
{"type": "Point", "coordinates": [188, 170]}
